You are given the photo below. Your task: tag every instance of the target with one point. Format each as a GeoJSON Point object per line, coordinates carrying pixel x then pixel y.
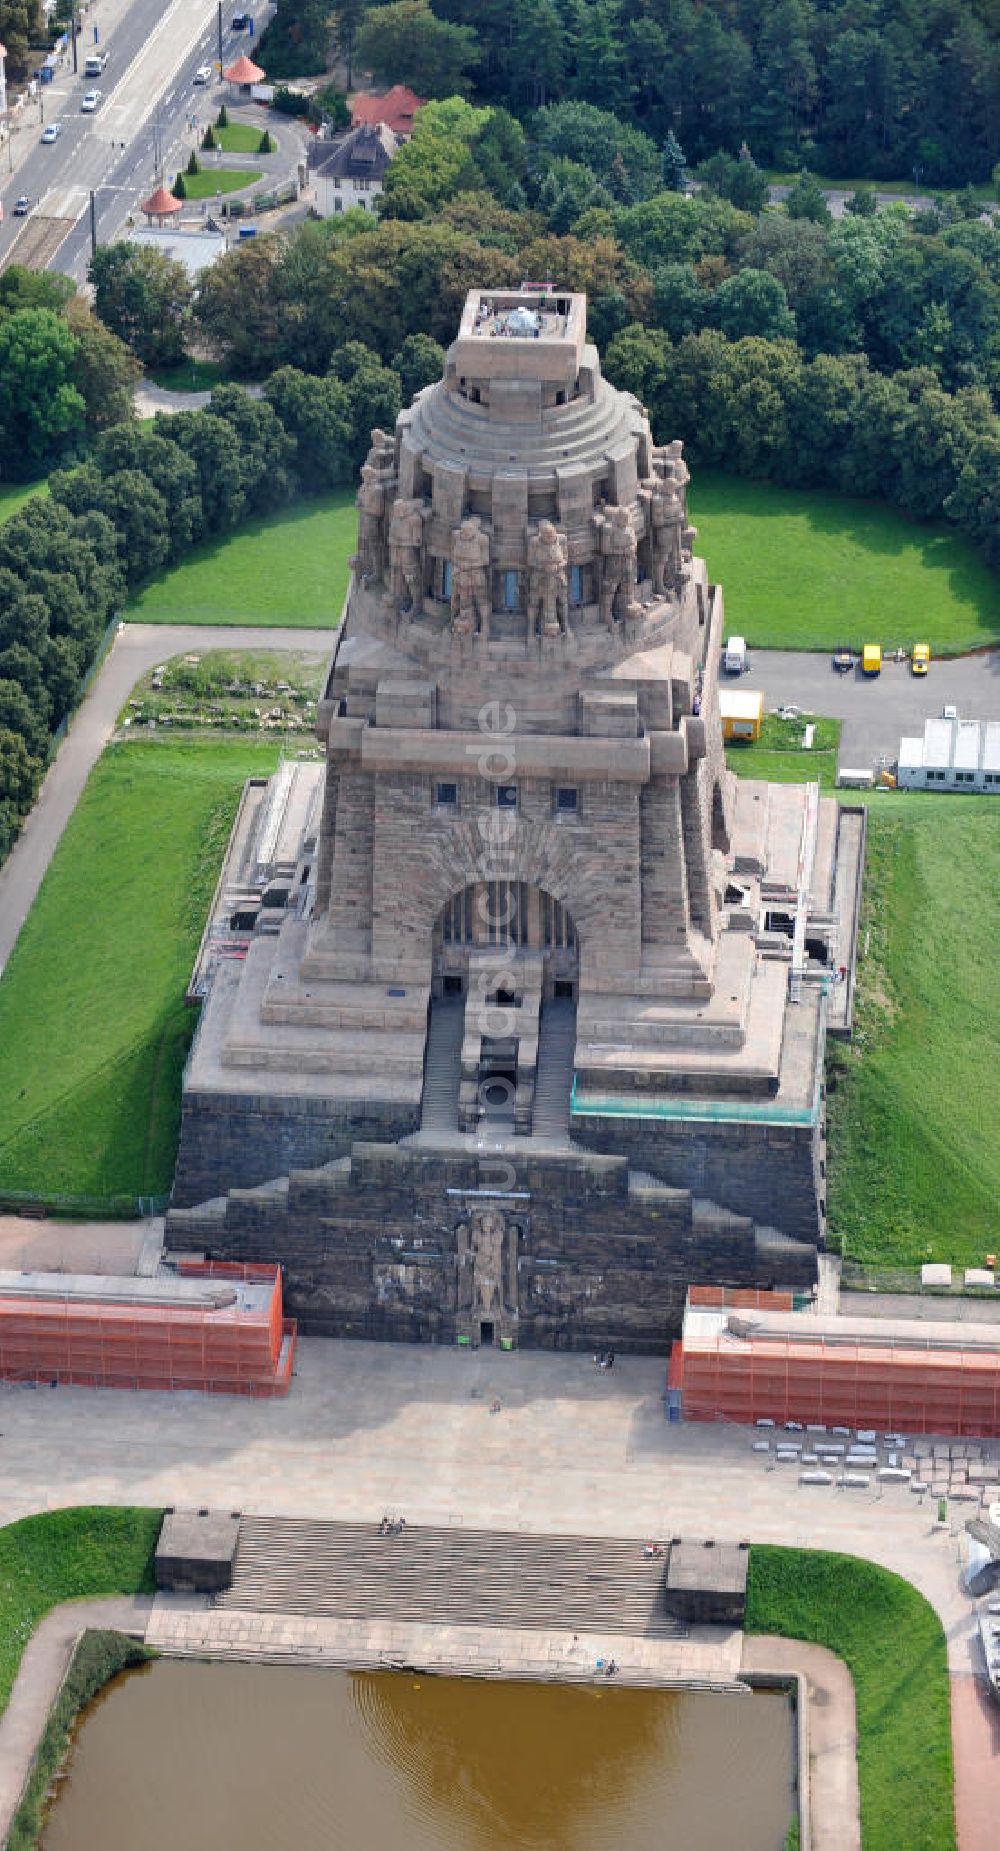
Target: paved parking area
{"type": "Point", "coordinates": [876, 713]}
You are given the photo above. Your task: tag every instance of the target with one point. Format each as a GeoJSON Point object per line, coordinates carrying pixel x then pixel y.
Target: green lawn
{"type": "Point", "coordinates": [212, 180]}
{"type": "Point", "coordinates": [93, 1026]}
{"type": "Point", "coordinates": [778, 757]}
{"type": "Point", "coordinates": [914, 1163]}
{"type": "Point", "coordinates": [289, 569]}
{"type": "Point", "coordinates": [238, 137]}
{"type": "Point", "coordinates": [75, 1554]}
{"type": "Point", "coordinates": [805, 569]}
{"type": "Point", "coordinates": [13, 495]}
{"type": "Point", "coordinates": [188, 376]}
{"type": "Point", "coordinates": [893, 1645]}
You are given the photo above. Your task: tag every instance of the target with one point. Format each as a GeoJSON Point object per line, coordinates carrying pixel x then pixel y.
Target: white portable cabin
{"type": "Point", "coordinates": [954, 754]}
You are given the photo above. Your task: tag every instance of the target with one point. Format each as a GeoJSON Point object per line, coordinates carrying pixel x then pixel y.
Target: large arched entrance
{"type": "Point", "coordinates": [505, 968]}
{"type": "Point", "coordinates": [520, 925]}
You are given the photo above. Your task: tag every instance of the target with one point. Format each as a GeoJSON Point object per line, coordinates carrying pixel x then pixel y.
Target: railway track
{"type": "Point", "coordinates": [37, 242]}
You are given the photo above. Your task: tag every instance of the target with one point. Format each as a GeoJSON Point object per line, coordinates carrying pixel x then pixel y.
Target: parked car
{"type": "Point", "coordinates": [52, 131]}
{"type": "Point", "coordinates": [736, 656]}
{"type": "Point", "coordinates": [203, 75]}
{"type": "Point", "coordinates": [920, 660]}
{"type": "Point", "coordinates": [91, 101]}
{"type": "Point", "coordinates": [871, 659]}
{"type": "Point", "coordinates": [241, 22]}
{"type": "Point", "coordinates": [843, 661]}
{"type": "Point", "coordinates": [22, 206]}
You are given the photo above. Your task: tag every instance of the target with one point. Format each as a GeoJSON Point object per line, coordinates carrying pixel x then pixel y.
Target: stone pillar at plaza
{"type": "Point", "coordinates": [530, 1026]}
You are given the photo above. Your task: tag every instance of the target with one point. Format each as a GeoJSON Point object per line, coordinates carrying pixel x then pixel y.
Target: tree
{"type": "Point", "coordinates": [620, 155]}
{"type": "Point", "coordinates": [638, 360]}
{"type": "Point", "coordinates": [144, 298]}
{"type": "Point", "coordinates": [41, 411]}
{"type": "Point", "coordinates": [674, 165]}
{"type": "Point", "coordinates": [749, 189]}
{"type": "Point", "coordinates": [807, 200]}
{"type": "Point", "coordinates": [179, 188]}
{"type": "Point", "coordinates": [317, 413]}
{"type": "Point", "coordinates": [106, 371]}
{"type": "Point", "coordinates": [752, 303]}
{"type": "Point", "coordinates": [862, 203]}
{"type": "Point", "coordinates": [192, 164]}
{"type": "Point", "coordinates": [419, 363]}
{"type": "Point", "coordinates": [265, 144]}
{"type": "Point", "coordinates": [21, 288]}
{"type": "Point", "coordinates": [131, 447]}
{"type": "Point", "coordinates": [214, 448]}
{"type": "Point", "coordinates": [20, 775]}
{"type": "Point", "coordinates": [567, 191]}
{"type": "Point", "coordinates": [405, 42]}
{"type": "Point", "coordinates": [347, 20]}
{"type": "Point", "coordinates": [679, 301]}
{"type": "Point", "coordinates": [374, 394]}
{"type": "Point", "coordinates": [267, 450]}
{"type": "Point", "coordinates": [238, 307]}
{"type": "Point", "coordinates": [208, 140]}
{"type": "Point", "coordinates": [19, 715]}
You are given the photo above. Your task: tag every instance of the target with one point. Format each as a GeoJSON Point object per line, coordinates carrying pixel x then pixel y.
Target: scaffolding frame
{"type": "Point", "coordinates": [232, 1349]}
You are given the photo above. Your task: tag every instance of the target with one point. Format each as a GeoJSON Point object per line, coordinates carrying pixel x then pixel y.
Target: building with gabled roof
{"type": "Point", "coordinates": [351, 170]}
{"type": "Point", "coordinates": [397, 108]}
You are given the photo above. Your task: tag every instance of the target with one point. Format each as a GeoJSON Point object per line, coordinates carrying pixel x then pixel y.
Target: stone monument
{"type": "Point", "coordinates": [529, 1031]}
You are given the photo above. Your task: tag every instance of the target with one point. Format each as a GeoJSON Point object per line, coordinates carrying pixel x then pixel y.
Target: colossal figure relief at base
{"type": "Point", "coordinates": [524, 1034]}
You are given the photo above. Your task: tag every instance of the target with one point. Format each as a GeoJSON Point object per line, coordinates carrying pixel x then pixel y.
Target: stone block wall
{"type": "Point", "coordinates": [230, 1141]}
{"type": "Point", "coordinates": [769, 1172]}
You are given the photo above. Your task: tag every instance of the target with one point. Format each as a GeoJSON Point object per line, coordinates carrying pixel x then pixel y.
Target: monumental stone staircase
{"type": "Point", "coordinates": [448, 1576]}
{"type": "Point", "coordinates": [556, 1049]}
{"type": "Point", "coordinates": [442, 1075]}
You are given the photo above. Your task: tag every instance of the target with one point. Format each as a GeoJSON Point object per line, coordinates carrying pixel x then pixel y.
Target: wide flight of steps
{"type": "Point", "coordinates": [554, 1077]}
{"type": "Point", "coordinates": [439, 1108]}
{"type": "Point", "coordinates": [450, 1577]}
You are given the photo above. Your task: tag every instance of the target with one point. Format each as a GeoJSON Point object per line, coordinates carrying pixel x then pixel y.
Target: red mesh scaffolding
{"type": "Point", "coordinates": [910, 1385]}
{"type": "Point", "coordinates": [245, 1348]}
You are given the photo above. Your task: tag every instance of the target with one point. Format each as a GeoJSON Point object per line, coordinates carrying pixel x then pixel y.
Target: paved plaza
{"type": "Point", "coordinates": [371, 1427]}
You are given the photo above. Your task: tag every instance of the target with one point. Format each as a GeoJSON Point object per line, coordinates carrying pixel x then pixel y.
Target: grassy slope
{"type": "Point", "coordinates": [288, 569]}
{"type": "Point", "coordinates": [892, 1642]}
{"type": "Point", "coordinates": [804, 569]}
{"type": "Point", "coordinates": [72, 1554]}
{"type": "Point", "coordinates": [914, 1159]}
{"type": "Point", "coordinates": [93, 1027]}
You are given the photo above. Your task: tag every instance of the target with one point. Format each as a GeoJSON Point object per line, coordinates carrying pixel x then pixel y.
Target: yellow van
{"type": "Point", "coordinates": [871, 659]}
{"type": "Point", "coordinates": [921, 658]}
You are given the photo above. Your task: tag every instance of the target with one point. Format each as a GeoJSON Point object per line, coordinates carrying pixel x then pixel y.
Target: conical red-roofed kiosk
{"type": "Point", "coordinates": [161, 205]}
{"type": "Point", "coordinates": [243, 73]}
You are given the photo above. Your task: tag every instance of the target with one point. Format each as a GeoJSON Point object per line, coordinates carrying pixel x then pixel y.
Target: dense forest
{"type": "Point", "coordinates": [878, 88]}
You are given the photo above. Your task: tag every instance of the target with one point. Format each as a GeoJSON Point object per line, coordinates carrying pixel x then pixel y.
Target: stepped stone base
{"type": "Point", "coordinates": [569, 1249]}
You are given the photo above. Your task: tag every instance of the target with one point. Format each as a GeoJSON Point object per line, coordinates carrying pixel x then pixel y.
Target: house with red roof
{"type": "Point", "coordinates": [396, 109]}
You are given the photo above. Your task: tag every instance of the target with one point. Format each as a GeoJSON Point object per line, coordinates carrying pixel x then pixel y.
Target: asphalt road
{"type": "Point", "coordinates": [876, 713]}
{"type": "Point", "coordinates": [137, 648]}
{"type": "Point", "coordinates": [151, 114]}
